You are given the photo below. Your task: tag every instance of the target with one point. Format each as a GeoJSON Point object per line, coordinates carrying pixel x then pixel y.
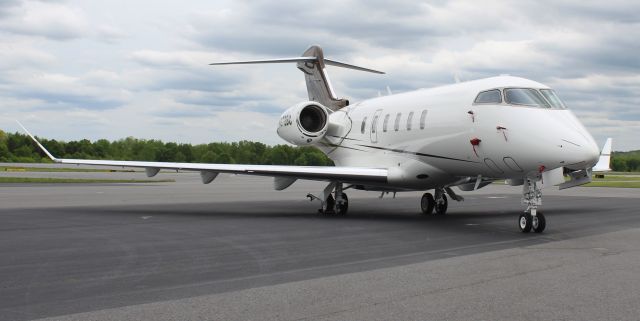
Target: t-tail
{"type": "Point", "coordinates": [604, 162]}
{"type": "Point", "coordinates": [312, 64]}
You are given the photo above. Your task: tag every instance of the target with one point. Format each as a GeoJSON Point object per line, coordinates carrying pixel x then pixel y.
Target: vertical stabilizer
{"type": "Point", "coordinates": [604, 162]}
{"type": "Point", "coordinates": [318, 84]}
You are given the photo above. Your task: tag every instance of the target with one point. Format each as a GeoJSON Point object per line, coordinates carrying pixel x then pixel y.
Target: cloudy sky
{"type": "Point", "coordinates": [112, 69]}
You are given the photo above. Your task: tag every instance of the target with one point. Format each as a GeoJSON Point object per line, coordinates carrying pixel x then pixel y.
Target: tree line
{"type": "Point", "coordinates": [19, 148]}
{"type": "Point", "coordinates": [626, 161]}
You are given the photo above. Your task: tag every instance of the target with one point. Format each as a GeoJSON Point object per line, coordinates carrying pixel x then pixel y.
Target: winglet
{"type": "Point", "coordinates": [604, 162]}
{"type": "Point", "coordinates": [38, 143]}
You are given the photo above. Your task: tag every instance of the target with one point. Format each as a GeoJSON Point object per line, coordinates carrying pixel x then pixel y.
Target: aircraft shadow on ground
{"type": "Point", "coordinates": [359, 210]}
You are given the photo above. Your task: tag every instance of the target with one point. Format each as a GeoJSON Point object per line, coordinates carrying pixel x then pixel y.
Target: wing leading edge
{"type": "Point", "coordinates": [321, 173]}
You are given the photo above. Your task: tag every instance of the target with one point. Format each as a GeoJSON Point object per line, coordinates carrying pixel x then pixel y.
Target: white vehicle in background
{"type": "Point", "coordinates": [465, 135]}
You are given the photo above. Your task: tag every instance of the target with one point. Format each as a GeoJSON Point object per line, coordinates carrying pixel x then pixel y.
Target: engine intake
{"type": "Point", "coordinates": [313, 118]}
{"type": "Point", "coordinates": [304, 124]}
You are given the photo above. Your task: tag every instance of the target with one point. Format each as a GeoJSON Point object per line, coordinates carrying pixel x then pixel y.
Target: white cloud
{"type": "Point", "coordinates": [109, 33]}
{"type": "Point", "coordinates": [46, 19]}
{"type": "Point", "coordinates": [60, 91]}
{"type": "Point", "coordinates": [14, 54]}
{"type": "Point", "coordinates": [140, 68]}
{"type": "Point", "coordinates": [172, 59]}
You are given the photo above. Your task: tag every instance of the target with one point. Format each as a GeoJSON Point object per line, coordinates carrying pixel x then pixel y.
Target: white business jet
{"type": "Point", "coordinates": [465, 135]}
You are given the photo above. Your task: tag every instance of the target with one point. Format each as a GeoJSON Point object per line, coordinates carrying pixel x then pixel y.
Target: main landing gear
{"type": "Point", "coordinates": [439, 203]}
{"type": "Point", "coordinates": [531, 219]}
{"type": "Point", "coordinates": [332, 205]}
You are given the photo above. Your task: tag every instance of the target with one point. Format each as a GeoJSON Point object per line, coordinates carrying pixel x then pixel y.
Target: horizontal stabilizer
{"type": "Point", "coordinates": [265, 61]}
{"type": "Point", "coordinates": [312, 63]}
{"type": "Point", "coordinates": [297, 59]}
{"type": "Point", "coordinates": [348, 66]}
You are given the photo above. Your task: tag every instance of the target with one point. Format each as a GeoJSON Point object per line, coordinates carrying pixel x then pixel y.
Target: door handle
{"type": "Point", "coordinates": [502, 129]}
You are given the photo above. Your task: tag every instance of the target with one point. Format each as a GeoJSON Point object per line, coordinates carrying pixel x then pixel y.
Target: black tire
{"type": "Point", "coordinates": [524, 222]}
{"type": "Point", "coordinates": [343, 208]}
{"type": "Point", "coordinates": [441, 209]}
{"type": "Point", "coordinates": [427, 203]}
{"type": "Point", "coordinates": [331, 204]}
{"type": "Point", "coordinates": [539, 223]}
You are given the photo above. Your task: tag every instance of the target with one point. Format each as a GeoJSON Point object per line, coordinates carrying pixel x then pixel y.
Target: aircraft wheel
{"type": "Point", "coordinates": [524, 222]}
{"type": "Point", "coordinates": [539, 223]}
{"type": "Point", "coordinates": [344, 207]}
{"type": "Point", "coordinates": [330, 205]}
{"type": "Point", "coordinates": [427, 203]}
{"type": "Point", "coordinates": [441, 208]}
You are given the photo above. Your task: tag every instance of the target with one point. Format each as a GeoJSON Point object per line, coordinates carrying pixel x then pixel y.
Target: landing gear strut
{"type": "Point", "coordinates": [441, 202]}
{"type": "Point", "coordinates": [330, 204]}
{"type": "Point", "coordinates": [531, 218]}
{"type": "Point", "coordinates": [342, 201]}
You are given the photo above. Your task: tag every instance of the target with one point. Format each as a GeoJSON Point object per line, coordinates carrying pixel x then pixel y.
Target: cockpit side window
{"type": "Point", "coordinates": [525, 96]}
{"type": "Point", "coordinates": [553, 99]}
{"type": "Point", "coordinates": [489, 97]}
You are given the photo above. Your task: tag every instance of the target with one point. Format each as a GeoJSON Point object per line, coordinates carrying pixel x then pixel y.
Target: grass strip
{"type": "Point", "coordinates": [631, 184]}
{"type": "Point", "coordinates": [617, 178]}
{"type": "Point", "coordinates": [621, 173]}
{"type": "Point", "coordinates": [49, 180]}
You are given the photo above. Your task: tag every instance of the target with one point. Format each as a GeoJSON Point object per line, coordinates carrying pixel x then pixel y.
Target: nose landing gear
{"type": "Point", "coordinates": [531, 218]}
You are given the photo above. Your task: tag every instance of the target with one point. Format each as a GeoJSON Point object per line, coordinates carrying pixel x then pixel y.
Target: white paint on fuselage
{"type": "Point", "coordinates": [532, 137]}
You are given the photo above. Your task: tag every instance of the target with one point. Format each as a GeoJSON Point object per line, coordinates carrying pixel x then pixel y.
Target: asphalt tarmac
{"type": "Point", "coordinates": [236, 249]}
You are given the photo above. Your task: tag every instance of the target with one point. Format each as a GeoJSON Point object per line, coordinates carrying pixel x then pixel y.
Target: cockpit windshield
{"type": "Point", "coordinates": [553, 99]}
{"type": "Point", "coordinates": [489, 97]}
{"type": "Point", "coordinates": [525, 96]}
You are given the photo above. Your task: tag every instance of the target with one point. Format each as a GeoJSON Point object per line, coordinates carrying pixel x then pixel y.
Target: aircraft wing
{"type": "Point", "coordinates": [209, 171]}
{"type": "Point", "coordinates": [322, 173]}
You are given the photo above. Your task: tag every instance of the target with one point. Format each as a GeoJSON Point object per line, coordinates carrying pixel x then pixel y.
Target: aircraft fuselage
{"type": "Point", "coordinates": [435, 136]}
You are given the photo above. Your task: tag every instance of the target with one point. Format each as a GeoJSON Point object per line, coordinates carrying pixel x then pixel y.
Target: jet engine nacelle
{"type": "Point", "coordinates": [304, 124]}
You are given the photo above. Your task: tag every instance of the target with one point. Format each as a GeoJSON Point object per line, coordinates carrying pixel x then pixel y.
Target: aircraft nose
{"type": "Point", "coordinates": [590, 151]}
{"type": "Point", "coordinates": [583, 152]}
{"type": "Point", "coordinates": [594, 151]}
